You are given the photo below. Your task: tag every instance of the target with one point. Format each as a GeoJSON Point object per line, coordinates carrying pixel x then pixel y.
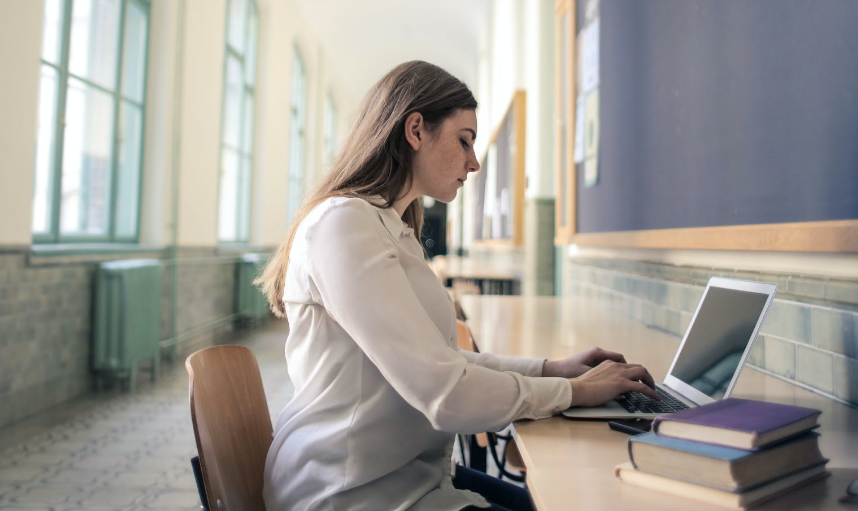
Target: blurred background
{"type": "Point", "coordinates": [155, 151]}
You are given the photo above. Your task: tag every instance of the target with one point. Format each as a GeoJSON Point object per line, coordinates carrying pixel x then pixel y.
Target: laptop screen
{"type": "Point", "coordinates": [717, 338]}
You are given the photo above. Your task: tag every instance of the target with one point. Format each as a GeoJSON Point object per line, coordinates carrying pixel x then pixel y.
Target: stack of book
{"type": "Point", "coordinates": [735, 452]}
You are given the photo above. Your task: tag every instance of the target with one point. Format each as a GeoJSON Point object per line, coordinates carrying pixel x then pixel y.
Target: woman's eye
{"type": "Point", "coordinates": [464, 144]}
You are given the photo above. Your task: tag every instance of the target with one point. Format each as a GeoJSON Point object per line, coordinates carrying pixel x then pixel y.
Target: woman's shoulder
{"type": "Point", "coordinates": [346, 211]}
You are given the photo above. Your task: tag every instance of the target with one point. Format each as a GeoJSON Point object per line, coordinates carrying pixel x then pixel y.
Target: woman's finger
{"type": "Point", "coordinates": [640, 373]}
{"type": "Point", "coordinates": [611, 355]}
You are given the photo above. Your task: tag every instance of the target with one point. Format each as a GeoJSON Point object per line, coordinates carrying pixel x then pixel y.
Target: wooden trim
{"type": "Point", "coordinates": [830, 236]}
{"type": "Point", "coordinates": [520, 110]}
{"type": "Point", "coordinates": [563, 235]}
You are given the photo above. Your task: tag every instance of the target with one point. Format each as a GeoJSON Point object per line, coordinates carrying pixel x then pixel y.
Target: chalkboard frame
{"type": "Point", "coordinates": [816, 236]}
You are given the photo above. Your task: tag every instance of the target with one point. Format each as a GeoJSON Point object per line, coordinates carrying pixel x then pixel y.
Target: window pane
{"type": "Point", "coordinates": [247, 129]}
{"type": "Point", "coordinates": [232, 102]}
{"type": "Point", "coordinates": [85, 200]}
{"type": "Point", "coordinates": [296, 145]}
{"type": "Point", "coordinates": [45, 151]}
{"type": "Point", "coordinates": [52, 31]}
{"type": "Point", "coordinates": [237, 17]}
{"type": "Point", "coordinates": [94, 41]}
{"type": "Point", "coordinates": [128, 173]}
{"type": "Point", "coordinates": [228, 195]}
{"type": "Point", "coordinates": [134, 60]}
{"type": "Point", "coordinates": [250, 56]}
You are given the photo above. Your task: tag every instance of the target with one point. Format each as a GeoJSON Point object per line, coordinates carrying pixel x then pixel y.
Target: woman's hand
{"type": "Point", "coordinates": [608, 380]}
{"type": "Point", "coordinates": [576, 365]}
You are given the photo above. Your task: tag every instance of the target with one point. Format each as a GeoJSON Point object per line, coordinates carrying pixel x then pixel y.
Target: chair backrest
{"type": "Point", "coordinates": [231, 424]}
{"type": "Point", "coordinates": [463, 336]}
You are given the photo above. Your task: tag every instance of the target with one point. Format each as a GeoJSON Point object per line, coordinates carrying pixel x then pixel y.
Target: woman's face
{"type": "Point", "coordinates": [443, 157]}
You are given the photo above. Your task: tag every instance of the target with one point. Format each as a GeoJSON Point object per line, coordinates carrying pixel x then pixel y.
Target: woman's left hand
{"type": "Point", "coordinates": [576, 365]}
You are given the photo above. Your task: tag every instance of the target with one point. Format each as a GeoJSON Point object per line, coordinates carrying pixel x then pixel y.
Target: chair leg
{"type": "Point", "coordinates": [477, 458]}
{"type": "Point", "coordinates": [198, 476]}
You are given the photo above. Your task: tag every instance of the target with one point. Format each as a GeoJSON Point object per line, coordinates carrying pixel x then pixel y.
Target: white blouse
{"type": "Point", "coordinates": [380, 385]}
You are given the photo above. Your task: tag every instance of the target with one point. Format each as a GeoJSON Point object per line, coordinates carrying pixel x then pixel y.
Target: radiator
{"type": "Point", "coordinates": [127, 320]}
{"type": "Point", "coordinates": [250, 303]}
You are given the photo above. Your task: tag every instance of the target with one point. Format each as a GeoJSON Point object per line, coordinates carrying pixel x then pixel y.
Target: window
{"type": "Point", "coordinates": [330, 130]}
{"type": "Point", "coordinates": [296, 144]}
{"type": "Point", "coordinates": [236, 158]}
{"type": "Point", "coordinates": [92, 93]}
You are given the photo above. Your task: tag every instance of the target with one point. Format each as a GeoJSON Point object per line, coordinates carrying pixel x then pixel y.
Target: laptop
{"type": "Point", "coordinates": [710, 357]}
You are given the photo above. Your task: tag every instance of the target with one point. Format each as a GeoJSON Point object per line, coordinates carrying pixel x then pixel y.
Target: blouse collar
{"type": "Point", "coordinates": [392, 222]}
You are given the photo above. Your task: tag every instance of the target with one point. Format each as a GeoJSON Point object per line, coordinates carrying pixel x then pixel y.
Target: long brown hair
{"type": "Point", "coordinates": [376, 158]}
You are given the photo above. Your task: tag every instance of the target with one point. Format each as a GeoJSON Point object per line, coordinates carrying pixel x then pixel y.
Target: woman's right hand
{"type": "Point", "coordinates": [608, 380]}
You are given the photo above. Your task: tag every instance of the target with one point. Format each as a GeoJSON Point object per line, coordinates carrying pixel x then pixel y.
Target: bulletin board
{"type": "Point", "coordinates": [719, 125]}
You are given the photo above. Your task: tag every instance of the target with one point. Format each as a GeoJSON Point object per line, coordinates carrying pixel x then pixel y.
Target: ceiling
{"type": "Point", "coordinates": [364, 39]}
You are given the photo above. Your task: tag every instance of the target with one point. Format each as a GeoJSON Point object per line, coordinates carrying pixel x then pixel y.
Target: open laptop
{"type": "Point", "coordinates": [710, 358]}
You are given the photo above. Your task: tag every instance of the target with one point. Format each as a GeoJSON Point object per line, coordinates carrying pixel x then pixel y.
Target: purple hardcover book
{"type": "Point", "coordinates": [749, 424]}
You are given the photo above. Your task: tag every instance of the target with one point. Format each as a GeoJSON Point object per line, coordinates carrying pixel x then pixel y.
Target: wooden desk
{"type": "Point", "coordinates": [488, 277]}
{"type": "Point", "coordinates": [570, 463]}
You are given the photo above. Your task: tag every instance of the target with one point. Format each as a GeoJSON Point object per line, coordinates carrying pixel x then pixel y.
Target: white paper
{"type": "Point", "coordinates": [590, 57]}
{"type": "Point", "coordinates": [579, 130]}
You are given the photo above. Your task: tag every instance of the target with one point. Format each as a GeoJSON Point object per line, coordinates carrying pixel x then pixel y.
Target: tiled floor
{"type": "Point", "coordinates": [122, 451]}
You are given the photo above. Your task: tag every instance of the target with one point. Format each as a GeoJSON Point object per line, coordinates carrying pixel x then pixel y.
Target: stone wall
{"type": "Point", "coordinates": [46, 316]}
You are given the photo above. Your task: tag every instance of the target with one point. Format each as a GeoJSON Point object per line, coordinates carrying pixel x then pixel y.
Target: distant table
{"type": "Point", "coordinates": [570, 464]}
{"type": "Point", "coordinates": [488, 277]}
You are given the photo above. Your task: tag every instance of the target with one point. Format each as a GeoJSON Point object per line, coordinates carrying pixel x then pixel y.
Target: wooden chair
{"type": "Point", "coordinates": [232, 426]}
{"type": "Point", "coordinates": [488, 442]}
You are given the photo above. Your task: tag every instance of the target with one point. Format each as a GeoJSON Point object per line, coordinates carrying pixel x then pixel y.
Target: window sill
{"type": "Point", "coordinates": [70, 253]}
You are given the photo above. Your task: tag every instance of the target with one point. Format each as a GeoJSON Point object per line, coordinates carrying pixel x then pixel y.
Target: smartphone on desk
{"type": "Point", "coordinates": [631, 426]}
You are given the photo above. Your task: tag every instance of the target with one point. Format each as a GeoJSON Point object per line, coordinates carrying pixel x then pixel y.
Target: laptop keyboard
{"type": "Point", "coordinates": [637, 402]}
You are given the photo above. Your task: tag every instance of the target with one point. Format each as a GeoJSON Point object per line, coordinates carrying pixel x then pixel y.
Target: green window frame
{"type": "Point", "coordinates": [237, 121]}
{"type": "Point", "coordinates": [92, 103]}
{"type": "Point", "coordinates": [297, 143]}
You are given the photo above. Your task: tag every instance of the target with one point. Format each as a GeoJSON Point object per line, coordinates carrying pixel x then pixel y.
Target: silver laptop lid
{"type": "Point", "coordinates": [719, 338]}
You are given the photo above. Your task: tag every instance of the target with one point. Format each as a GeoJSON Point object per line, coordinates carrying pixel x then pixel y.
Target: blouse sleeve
{"type": "Point", "coordinates": [356, 272]}
{"type": "Point", "coordinates": [524, 366]}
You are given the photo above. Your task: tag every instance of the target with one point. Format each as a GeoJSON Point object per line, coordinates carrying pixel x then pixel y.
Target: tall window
{"type": "Point", "coordinates": [297, 138]}
{"type": "Point", "coordinates": [236, 159]}
{"type": "Point", "coordinates": [92, 95]}
{"type": "Point", "coordinates": [330, 130]}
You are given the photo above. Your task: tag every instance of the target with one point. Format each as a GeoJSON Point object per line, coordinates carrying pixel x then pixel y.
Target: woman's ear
{"type": "Point", "coordinates": [415, 130]}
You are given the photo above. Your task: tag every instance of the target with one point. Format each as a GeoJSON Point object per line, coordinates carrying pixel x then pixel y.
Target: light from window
{"type": "Point", "coordinates": [236, 161]}
{"type": "Point", "coordinates": [297, 139]}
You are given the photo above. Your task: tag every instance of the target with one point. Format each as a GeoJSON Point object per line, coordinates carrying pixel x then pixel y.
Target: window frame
{"type": "Point", "coordinates": [245, 175]}
{"type": "Point", "coordinates": [54, 235]}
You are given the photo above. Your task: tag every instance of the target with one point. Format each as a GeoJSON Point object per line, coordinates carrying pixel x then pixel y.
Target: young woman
{"type": "Point", "coordinates": [380, 386]}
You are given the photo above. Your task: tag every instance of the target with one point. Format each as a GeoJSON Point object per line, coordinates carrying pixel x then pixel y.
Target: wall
{"type": "Point", "coordinates": [20, 48]}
